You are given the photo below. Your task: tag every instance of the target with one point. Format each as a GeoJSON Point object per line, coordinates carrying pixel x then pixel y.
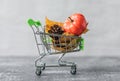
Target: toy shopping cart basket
{"type": "Point", "coordinates": [50, 44]}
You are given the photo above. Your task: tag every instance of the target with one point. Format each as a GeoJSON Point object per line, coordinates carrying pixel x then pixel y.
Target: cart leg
{"type": "Point", "coordinates": [60, 62]}
{"type": "Point", "coordinates": [41, 65]}
{"type": "Point", "coordinates": [39, 59]}
{"type": "Point", "coordinates": [70, 64]}
{"type": "Point", "coordinates": [64, 63]}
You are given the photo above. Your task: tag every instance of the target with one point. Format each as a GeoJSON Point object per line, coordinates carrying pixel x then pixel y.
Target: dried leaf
{"type": "Point", "coordinates": [50, 23]}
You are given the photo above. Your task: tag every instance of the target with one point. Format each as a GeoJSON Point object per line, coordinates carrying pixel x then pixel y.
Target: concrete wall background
{"type": "Point", "coordinates": [16, 37]}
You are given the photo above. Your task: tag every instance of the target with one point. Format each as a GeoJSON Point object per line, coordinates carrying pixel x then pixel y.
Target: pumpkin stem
{"type": "Point", "coordinates": [70, 19]}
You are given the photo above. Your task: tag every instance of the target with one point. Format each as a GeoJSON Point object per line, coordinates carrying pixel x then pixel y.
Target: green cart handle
{"type": "Point", "coordinates": [31, 23]}
{"type": "Point", "coordinates": [81, 46]}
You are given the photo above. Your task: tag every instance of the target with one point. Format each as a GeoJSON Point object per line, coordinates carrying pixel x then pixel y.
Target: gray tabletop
{"type": "Point", "coordinates": [88, 69]}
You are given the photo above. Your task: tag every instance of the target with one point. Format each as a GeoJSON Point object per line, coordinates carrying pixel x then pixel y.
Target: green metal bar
{"type": "Point", "coordinates": [31, 22]}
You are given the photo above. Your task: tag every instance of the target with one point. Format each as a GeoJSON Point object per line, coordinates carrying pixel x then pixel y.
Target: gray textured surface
{"type": "Point", "coordinates": [89, 69]}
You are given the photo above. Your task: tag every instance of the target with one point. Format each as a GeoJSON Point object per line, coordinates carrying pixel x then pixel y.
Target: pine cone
{"type": "Point", "coordinates": [55, 29]}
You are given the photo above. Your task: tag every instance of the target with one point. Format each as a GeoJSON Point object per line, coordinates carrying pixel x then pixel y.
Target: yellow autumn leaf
{"type": "Point", "coordinates": [50, 23]}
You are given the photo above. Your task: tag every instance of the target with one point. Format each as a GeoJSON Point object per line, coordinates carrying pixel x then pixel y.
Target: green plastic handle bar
{"type": "Point", "coordinates": [82, 41]}
{"type": "Point", "coordinates": [31, 22]}
{"type": "Point", "coordinates": [81, 46]}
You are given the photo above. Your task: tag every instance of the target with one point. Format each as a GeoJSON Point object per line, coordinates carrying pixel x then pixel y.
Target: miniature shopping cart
{"type": "Point", "coordinates": [46, 46]}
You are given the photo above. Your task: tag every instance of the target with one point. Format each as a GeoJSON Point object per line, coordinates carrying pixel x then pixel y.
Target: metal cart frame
{"type": "Point", "coordinates": [39, 33]}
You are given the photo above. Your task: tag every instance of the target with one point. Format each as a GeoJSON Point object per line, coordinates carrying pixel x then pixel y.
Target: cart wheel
{"type": "Point", "coordinates": [73, 69]}
{"type": "Point", "coordinates": [38, 71]}
{"type": "Point", "coordinates": [43, 68]}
